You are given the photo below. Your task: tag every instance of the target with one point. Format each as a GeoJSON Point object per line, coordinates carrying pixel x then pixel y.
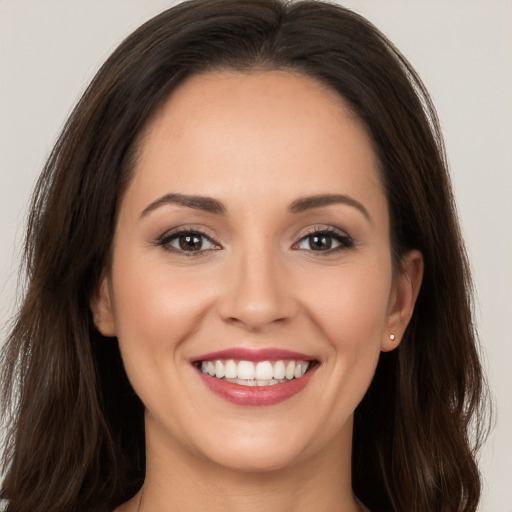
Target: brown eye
{"type": "Point", "coordinates": [325, 241]}
{"type": "Point", "coordinates": [190, 242]}
{"type": "Point", "coordinates": [187, 242]}
{"type": "Point", "coordinates": [320, 242]}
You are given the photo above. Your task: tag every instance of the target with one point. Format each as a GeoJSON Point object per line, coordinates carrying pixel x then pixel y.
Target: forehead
{"type": "Point", "coordinates": [259, 133]}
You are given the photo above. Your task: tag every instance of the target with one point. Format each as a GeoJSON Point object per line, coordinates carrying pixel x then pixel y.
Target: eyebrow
{"type": "Point", "coordinates": [207, 204]}
{"type": "Point", "coordinates": [210, 205]}
{"type": "Point", "coordinates": [307, 203]}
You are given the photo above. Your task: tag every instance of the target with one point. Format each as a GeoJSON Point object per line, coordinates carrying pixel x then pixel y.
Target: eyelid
{"type": "Point", "coordinates": [172, 234]}
{"type": "Point", "coordinates": [345, 240]}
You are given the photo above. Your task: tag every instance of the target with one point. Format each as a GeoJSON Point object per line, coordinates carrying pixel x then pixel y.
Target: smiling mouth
{"type": "Point", "coordinates": [264, 376]}
{"type": "Point", "coordinates": [250, 373]}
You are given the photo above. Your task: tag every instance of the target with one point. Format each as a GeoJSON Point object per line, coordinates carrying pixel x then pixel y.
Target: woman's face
{"type": "Point", "coordinates": [253, 242]}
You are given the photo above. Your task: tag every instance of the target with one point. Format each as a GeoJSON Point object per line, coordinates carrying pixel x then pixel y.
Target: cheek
{"type": "Point", "coordinates": [351, 315]}
{"type": "Point", "coordinates": [156, 311]}
{"type": "Point", "coordinates": [350, 305]}
{"type": "Point", "coordinates": [155, 308]}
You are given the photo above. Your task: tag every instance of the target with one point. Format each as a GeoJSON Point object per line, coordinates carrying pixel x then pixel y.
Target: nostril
{"type": "Point", "coordinates": [255, 323]}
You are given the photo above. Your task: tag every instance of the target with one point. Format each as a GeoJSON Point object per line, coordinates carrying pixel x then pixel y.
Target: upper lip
{"type": "Point", "coordinates": [251, 354]}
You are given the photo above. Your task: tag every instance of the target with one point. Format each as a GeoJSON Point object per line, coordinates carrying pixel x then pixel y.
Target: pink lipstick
{"type": "Point", "coordinates": [254, 377]}
{"type": "Point", "coordinates": [248, 354]}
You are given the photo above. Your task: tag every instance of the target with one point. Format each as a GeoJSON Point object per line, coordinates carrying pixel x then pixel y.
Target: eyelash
{"type": "Point", "coordinates": [166, 239]}
{"type": "Point", "coordinates": [344, 240]}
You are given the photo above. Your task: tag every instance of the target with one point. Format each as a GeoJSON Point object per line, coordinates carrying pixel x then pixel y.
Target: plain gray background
{"type": "Point", "coordinates": [50, 49]}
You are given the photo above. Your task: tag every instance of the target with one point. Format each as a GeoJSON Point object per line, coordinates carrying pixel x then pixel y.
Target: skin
{"type": "Point", "coordinates": [256, 142]}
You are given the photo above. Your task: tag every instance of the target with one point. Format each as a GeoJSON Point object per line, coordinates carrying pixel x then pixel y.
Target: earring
{"type": "Point", "coordinates": [391, 337]}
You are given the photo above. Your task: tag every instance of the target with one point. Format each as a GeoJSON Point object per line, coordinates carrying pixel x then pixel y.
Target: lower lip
{"type": "Point", "coordinates": [256, 395]}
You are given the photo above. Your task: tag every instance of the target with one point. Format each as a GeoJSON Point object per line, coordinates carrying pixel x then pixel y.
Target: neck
{"type": "Point", "coordinates": [179, 480]}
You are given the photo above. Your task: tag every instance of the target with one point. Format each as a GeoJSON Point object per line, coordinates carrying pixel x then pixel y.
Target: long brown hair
{"type": "Point", "coordinates": [76, 433]}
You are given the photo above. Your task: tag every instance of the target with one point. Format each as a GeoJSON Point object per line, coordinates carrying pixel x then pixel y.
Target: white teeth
{"type": "Point", "coordinates": [279, 370]}
{"type": "Point", "coordinates": [230, 370]}
{"type": "Point", "coordinates": [243, 382]}
{"type": "Point", "coordinates": [264, 370]}
{"type": "Point", "coordinates": [247, 373]}
{"type": "Point", "coordinates": [219, 369]}
{"type": "Point", "coordinates": [246, 370]}
{"type": "Point", "coordinates": [290, 370]}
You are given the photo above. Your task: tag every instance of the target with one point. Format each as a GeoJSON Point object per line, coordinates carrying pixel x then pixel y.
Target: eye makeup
{"type": "Point", "coordinates": [192, 241]}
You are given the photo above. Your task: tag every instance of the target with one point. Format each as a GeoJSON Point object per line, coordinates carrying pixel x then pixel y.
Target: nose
{"type": "Point", "coordinates": [257, 293]}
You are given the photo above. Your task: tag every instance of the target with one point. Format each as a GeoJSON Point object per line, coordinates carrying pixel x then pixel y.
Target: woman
{"type": "Point", "coordinates": [247, 285]}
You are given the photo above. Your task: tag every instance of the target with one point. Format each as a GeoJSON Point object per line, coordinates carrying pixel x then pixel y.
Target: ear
{"type": "Point", "coordinates": [101, 307]}
{"type": "Point", "coordinates": [406, 288]}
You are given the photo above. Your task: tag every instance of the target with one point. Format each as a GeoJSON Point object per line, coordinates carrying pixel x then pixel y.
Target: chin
{"type": "Point", "coordinates": [256, 457]}
{"type": "Point", "coordinates": [264, 448]}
